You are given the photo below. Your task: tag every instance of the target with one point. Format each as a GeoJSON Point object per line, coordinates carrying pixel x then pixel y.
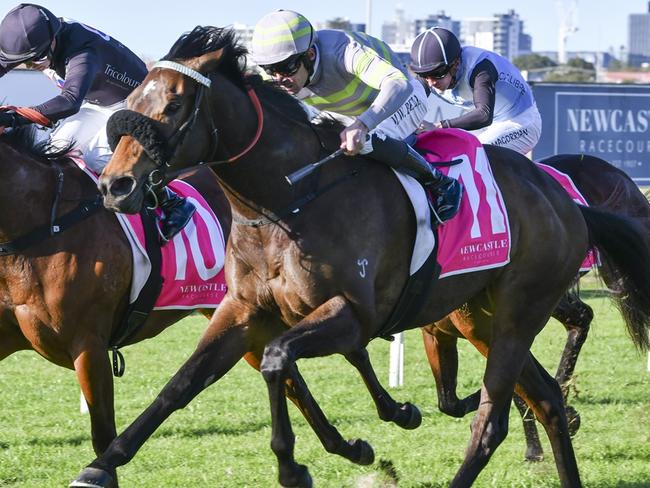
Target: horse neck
{"type": "Point", "coordinates": [257, 179]}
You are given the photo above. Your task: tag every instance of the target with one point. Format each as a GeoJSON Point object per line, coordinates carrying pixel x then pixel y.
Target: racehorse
{"type": "Point", "coordinates": [292, 251]}
{"type": "Point", "coordinates": [64, 294]}
{"type": "Point", "coordinates": [603, 186]}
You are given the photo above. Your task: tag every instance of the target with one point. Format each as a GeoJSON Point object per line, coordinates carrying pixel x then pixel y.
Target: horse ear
{"type": "Point", "coordinates": [208, 62]}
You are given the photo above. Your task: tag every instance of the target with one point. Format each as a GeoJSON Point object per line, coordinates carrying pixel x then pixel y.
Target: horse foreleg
{"type": "Point", "coordinates": [442, 354]}
{"type": "Point", "coordinates": [222, 345]}
{"type": "Point", "coordinates": [331, 328]}
{"type": "Point", "coordinates": [405, 415]}
{"type": "Point", "coordinates": [358, 451]}
{"type": "Point", "coordinates": [96, 381]}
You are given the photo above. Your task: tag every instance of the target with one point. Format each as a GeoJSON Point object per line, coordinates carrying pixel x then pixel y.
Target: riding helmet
{"type": "Point", "coordinates": [433, 49]}
{"type": "Point", "coordinates": [26, 33]}
{"type": "Point", "coordinates": [280, 35]}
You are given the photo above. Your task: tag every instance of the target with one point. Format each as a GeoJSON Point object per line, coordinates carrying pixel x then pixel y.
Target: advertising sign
{"type": "Point", "coordinates": [604, 120]}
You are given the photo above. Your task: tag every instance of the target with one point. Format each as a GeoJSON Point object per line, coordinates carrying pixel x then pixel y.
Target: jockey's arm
{"type": "Point", "coordinates": [483, 82]}
{"type": "Point", "coordinates": [393, 85]}
{"type": "Point", "coordinates": [80, 74]}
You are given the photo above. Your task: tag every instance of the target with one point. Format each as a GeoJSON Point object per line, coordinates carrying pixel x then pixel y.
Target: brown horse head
{"type": "Point", "coordinates": [169, 121]}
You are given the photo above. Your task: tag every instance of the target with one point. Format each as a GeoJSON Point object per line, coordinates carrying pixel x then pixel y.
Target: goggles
{"type": "Point", "coordinates": [436, 74]}
{"type": "Point", "coordinates": [288, 67]}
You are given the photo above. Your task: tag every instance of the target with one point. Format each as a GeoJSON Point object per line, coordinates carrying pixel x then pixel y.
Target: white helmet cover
{"type": "Point", "coordinates": [280, 35]}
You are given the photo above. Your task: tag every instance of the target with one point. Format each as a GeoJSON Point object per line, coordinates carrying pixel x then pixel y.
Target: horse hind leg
{"type": "Point", "coordinates": [534, 449]}
{"type": "Point", "coordinates": [544, 396]}
{"type": "Point", "coordinates": [576, 317]}
{"type": "Point", "coordinates": [442, 354]}
{"type": "Point", "coordinates": [405, 415]}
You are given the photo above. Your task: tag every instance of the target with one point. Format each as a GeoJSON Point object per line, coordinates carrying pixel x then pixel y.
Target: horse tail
{"type": "Point", "coordinates": [624, 249]}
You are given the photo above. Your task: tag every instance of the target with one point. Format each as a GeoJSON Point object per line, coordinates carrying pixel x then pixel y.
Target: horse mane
{"type": "Point", "coordinates": [24, 139]}
{"type": "Point", "coordinates": [205, 39]}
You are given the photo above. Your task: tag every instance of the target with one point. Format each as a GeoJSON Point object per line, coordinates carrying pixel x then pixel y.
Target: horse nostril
{"type": "Point", "coordinates": [121, 186]}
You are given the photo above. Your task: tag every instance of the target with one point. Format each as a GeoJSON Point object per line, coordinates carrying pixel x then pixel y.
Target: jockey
{"type": "Point", "coordinates": [359, 80]}
{"type": "Point", "coordinates": [500, 101]}
{"type": "Point", "coordinates": [98, 73]}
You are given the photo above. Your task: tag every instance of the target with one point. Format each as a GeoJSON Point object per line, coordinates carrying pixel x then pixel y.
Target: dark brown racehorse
{"type": "Point", "coordinates": [64, 296]}
{"type": "Point", "coordinates": [291, 258]}
{"type": "Point", "coordinates": [605, 187]}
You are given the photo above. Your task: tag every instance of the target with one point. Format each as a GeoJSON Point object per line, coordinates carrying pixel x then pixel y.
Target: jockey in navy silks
{"type": "Point", "coordinates": [95, 72]}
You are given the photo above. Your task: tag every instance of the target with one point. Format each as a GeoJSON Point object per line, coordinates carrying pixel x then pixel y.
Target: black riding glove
{"type": "Point", "coordinates": [12, 119]}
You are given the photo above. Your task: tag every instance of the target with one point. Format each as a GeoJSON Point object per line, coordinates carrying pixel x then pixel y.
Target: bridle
{"type": "Point", "coordinates": [157, 176]}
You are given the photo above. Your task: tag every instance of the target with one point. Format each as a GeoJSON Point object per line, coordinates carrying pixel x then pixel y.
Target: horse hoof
{"type": "Point", "coordinates": [534, 455]}
{"type": "Point", "coordinates": [302, 479]}
{"type": "Point", "coordinates": [93, 478]}
{"type": "Point", "coordinates": [365, 453]}
{"type": "Point", "coordinates": [408, 416]}
{"type": "Point", "coordinates": [573, 419]}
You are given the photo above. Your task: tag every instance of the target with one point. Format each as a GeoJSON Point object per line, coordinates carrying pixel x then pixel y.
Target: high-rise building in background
{"type": "Point", "coordinates": [437, 20]}
{"type": "Point", "coordinates": [501, 33]}
{"type": "Point", "coordinates": [639, 38]}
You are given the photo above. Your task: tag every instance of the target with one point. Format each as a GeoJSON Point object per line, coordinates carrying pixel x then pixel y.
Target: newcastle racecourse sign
{"type": "Point", "coordinates": [608, 121]}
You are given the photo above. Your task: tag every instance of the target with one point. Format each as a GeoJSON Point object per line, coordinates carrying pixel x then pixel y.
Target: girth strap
{"type": "Point", "coordinates": [413, 296]}
{"type": "Point", "coordinates": [138, 312]}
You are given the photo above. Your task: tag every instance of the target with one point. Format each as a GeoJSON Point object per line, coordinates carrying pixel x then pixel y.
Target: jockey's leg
{"type": "Point", "coordinates": [399, 155]}
{"type": "Point", "coordinates": [177, 211]}
{"type": "Point", "coordinates": [387, 145]}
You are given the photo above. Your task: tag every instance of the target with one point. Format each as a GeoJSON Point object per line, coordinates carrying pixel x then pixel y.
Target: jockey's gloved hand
{"type": "Point", "coordinates": [12, 119]}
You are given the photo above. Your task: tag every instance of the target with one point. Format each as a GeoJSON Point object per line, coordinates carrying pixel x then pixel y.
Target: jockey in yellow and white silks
{"type": "Point", "coordinates": [360, 80]}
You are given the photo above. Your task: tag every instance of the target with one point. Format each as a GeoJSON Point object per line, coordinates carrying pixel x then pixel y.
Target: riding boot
{"type": "Point", "coordinates": [177, 212]}
{"type": "Point", "coordinates": [446, 191]}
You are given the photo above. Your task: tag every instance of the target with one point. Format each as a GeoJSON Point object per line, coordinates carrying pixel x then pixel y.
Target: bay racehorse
{"type": "Point", "coordinates": [292, 253]}
{"type": "Point", "coordinates": [64, 294]}
{"type": "Point", "coordinates": [605, 187]}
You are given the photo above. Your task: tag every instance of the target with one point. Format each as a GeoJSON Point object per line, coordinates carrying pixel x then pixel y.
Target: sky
{"type": "Point", "coordinates": [149, 28]}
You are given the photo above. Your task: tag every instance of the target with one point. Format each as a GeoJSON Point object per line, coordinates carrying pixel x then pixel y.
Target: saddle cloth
{"type": "Point", "coordinates": [478, 237]}
{"type": "Point", "coordinates": [192, 262]}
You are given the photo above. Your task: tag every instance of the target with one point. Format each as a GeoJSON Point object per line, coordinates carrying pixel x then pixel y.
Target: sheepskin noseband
{"type": "Point", "coordinates": [141, 128]}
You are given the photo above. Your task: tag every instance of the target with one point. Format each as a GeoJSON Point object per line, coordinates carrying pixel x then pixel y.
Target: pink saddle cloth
{"type": "Point", "coordinates": [192, 262]}
{"type": "Point", "coordinates": [478, 237]}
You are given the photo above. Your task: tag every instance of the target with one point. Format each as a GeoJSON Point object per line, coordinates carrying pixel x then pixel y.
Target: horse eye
{"type": "Point", "coordinates": [172, 108]}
